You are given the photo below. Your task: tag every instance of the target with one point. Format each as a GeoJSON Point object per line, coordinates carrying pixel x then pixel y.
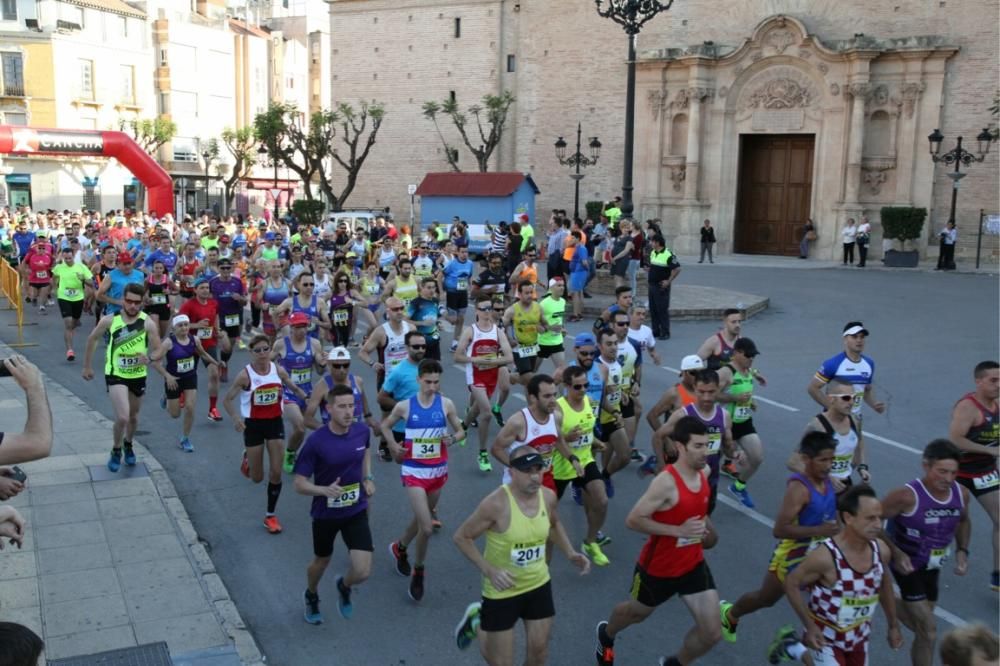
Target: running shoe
{"type": "Point", "coordinates": [635, 455]}
{"type": "Point", "coordinates": [402, 561]}
{"type": "Point", "coordinates": [214, 415]}
{"type": "Point", "coordinates": [289, 464]}
{"type": "Point", "coordinates": [605, 646]}
{"type": "Point", "coordinates": [129, 456]}
{"type": "Point", "coordinates": [729, 469]}
{"type": "Point", "coordinates": [995, 581]}
{"type": "Point", "coordinates": [163, 401]}
{"type": "Point", "coordinates": [484, 462]}
{"type": "Point", "coordinates": [344, 599]}
{"type": "Point", "coordinates": [272, 524]}
{"type": "Point", "coordinates": [728, 629]}
{"type": "Point", "coordinates": [115, 461]}
{"type": "Point", "coordinates": [70, 355]}
{"type": "Point", "coordinates": [609, 487]}
{"type": "Point", "coordinates": [647, 468]}
{"type": "Point", "coordinates": [777, 651]}
{"type": "Point", "coordinates": [312, 614]}
{"type": "Point", "coordinates": [454, 345]}
{"type": "Point", "coordinates": [466, 631]}
{"type": "Point", "coordinates": [602, 539]}
{"type": "Point", "coordinates": [180, 400]}
{"type": "Point", "coordinates": [741, 494]}
{"type": "Point", "coordinates": [596, 555]}
{"type": "Point", "coordinates": [41, 309]}
{"type": "Point", "coordinates": [497, 415]}
{"type": "Point", "coordinates": [578, 495]}
{"type": "Point", "coordinates": [187, 445]}
{"type": "Point", "coordinates": [435, 521]}
{"type": "Point", "coordinates": [416, 590]}
{"type": "Point", "coordinates": [245, 465]}
{"type": "Point", "coordinates": [50, 302]}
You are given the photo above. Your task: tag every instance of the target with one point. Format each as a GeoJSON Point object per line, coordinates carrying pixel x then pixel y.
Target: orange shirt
{"type": "Point", "coordinates": [568, 249]}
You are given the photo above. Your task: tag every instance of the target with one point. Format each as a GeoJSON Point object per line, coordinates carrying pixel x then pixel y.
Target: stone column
{"type": "Point", "coordinates": [855, 146]}
{"type": "Point", "coordinates": [691, 180]}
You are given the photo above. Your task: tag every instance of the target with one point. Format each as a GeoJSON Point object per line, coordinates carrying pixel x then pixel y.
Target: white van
{"type": "Point", "coordinates": [352, 218]}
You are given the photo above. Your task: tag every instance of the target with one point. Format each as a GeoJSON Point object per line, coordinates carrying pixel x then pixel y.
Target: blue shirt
{"type": "Point", "coordinates": [859, 375]}
{"type": "Point", "coordinates": [454, 271]}
{"type": "Point", "coordinates": [579, 256]}
{"type": "Point", "coordinates": [117, 289]}
{"type": "Point", "coordinates": [401, 384]}
{"type": "Point", "coordinates": [422, 309]}
{"type": "Point", "coordinates": [556, 241]}
{"type": "Point", "coordinates": [169, 259]}
{"type": "Point", "coordinates": [23, 241]}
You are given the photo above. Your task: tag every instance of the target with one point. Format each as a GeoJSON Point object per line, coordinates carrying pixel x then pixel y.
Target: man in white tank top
{"type": "Point", "coordinates": [389, 341]}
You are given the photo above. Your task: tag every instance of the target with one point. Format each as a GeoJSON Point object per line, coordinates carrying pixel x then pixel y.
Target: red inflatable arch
{"type": "Point", "coordinates": [42, 141]}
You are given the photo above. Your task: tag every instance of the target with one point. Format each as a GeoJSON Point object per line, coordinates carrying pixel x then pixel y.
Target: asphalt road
{"type": "Point", "coordinates": [928, 331]}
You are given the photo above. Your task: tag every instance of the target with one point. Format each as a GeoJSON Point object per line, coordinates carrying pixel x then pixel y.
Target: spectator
{"type": "Point", "coordinates": [12, 528]}
{"type": "Point", "coordinates": [707, 241]}
{"type": "Point", "coordinates": [808, 235]}
{"type": "Point", "coordinates": [863, 238]}
{"type": "Point", "coordinates": [971, 645]}
{"type": "Point", "coordinates": [946, 256]}
{"type": "Point", "coordinates": [848, 236]}
{"type": "Point", "coordinates": [19, 646]}
{"type": "Point", "coordinates": [663, 270]}
{"type": "Point", "coordinates": [635, 256]}
{"type": "Point", "coordinates": [621, 252]}
{"type": "Point", "coordinates": [554, 248]}
{"type": "Point", "coordinates": [579, 267]}
{"type": "Point", "coordinates": [36, 440]}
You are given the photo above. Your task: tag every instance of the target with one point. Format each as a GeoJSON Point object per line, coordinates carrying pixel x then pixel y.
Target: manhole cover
{"type": "Point", "coordinates": [153, 654]}
{"type": "Point", "coordinates": [102, 473]}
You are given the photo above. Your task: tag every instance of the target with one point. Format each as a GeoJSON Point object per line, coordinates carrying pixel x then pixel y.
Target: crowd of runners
{"type": "Point", "coordinates": [283, 315]}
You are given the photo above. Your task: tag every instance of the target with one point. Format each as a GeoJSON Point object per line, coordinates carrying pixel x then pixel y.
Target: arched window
{"type": "Point", "coordinates": [679, 135]}
{"type": "Point", "coordinates": [877, 135]}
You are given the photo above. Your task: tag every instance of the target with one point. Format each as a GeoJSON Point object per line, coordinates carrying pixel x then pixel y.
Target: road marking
{"type": "Point", "coordinates": [947, 616]}
{"type": "Point", "coordinates": [787, 408]}
{"type": "Point", "coordinates": [890, 442]}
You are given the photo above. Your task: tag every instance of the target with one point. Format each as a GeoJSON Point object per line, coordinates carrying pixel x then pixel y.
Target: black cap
{"type": "Point", "coordinates": [528, 461]}
{"type": "Point", "coordinates": [747, 346]}
{"type": "Point", "coordinates": [225, 261]}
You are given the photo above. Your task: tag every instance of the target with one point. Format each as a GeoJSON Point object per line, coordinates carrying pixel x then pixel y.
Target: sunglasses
{"type": "Point", "coordinates": [399, 309]}
{"type": "Point", "coordinates": [498, 309]}
{"type": "Point", "coordinates": [621, 323]}
{"type": "Point", "coordinates": [418, 346]}
{"type": "Point", "coordinates": [308, 284]}
{"type": "Point", "coordinates": [340, 366]}
{"type": "Point", "coordinates": [586, 353]}
{"type": "Point", "coordinates": [846, 397]}
{"type": "Point", "coordinates": [579, 387]}
{"type": "Point", "coordinates": [261, 350]}
{"type": "Point", "coordinates": [484, 309]}
{"type": "Point", "coordinates": [133, 302]}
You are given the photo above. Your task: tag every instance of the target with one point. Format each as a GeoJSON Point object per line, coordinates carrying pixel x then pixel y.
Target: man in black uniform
{"type": "Point", "coordinates": [663, 270]}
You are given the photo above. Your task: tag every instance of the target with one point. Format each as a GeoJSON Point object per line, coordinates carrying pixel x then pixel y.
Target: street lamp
{"type": "Point", "coordinates": [631, 15]}
{"type": "Point", "coordinates": [578, 160]}
{"type": "Point", "coordinates": [205, 155]}
{"type": "Point", "coordinates": [958, 156]}
{"type": "Point", "coordinates": [264, 154]}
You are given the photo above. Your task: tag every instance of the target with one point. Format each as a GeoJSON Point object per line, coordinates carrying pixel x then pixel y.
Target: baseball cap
{"type": "Point", "coordinates": [584, 339]}
{"type": "Point", "coordinates": [854, 327]}
{"type": "Point", "coordinates": [269, 235]}
{"type": "Point", "coordinates": [338, 354]}
{"type": "Point", "coordinates": [556, 280]}
{"type": "Point", "coordinates": [747, 346]}
{"type": "Point", "coordinates": [41, 233]}
{"type": "Point", "coordinates": [528, 461]}
{"type": "Point", "coordinates": [298, 319]}
{"type": "Point", "coordinates": [124, 258]}
{"type": "Point", "coordinates": [223, 239]}
{"type": "Point", "coordinates": [692, 362]}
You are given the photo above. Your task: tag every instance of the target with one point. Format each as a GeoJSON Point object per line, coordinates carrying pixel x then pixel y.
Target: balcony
{"type": "Point", "coordinates": [12, 90]}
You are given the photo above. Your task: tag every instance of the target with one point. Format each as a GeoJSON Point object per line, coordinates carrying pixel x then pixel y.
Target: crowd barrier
{"type": "Point", "coordinates": [10, 285]}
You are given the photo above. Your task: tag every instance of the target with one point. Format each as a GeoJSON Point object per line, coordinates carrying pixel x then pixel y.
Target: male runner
{"type": "Point", "coordinates": [130, 336]}
{"type": "Point", "coordinates": [550, 341]}
{"type": "Point", "coordinates": [403, 286]}
{"type": "Point", "coordinates": [483, 350]}
{"type": "Point", "coordinates": [522, 322]}
{"type": "Point", "coordinates": [628, 356]}
{"type": "Point", "coordinates": [924, 517]}
{"type": "Point", "coordinates": [111, 292]}
{"type": "Point", "coordinates": [975, 429]}
{"type": "Point", "coordinates": [808, 513]}
{"type": "Point", "coordinates": [454, 281]}
{"type": "Point", "coordinates": [389, 340]}
{"type": "Point", "coordinates": [674, 513]}
{"type": "Point", "coordinates": [736, 383]}
{"type": "Point", "coordinates": [424, 458]}
{"type": "Point", "coordinates": [845, 578]}
{"type": "Point", "coordinates": [337, 459]}
{"type": "Point", "coordinates": [38, 263]}
{"type": "Point", "coordinates": [424, 312]}
{"type": "Point", "coordinates": [338, 363]}
{"type": "Point", "coordinates": [717, 348]}
{"type": "Point", "coordinates": [203, 311]}
{"type": "Point", "coordinates": [299, 355]}
{"type": "Point", "coordinates": [69, 281]}
{"type": "Point", "coordinates": [851, 366]}
{"type": "Point", "coordinates": [611, 422]}
{"type": "Point", "coordinates": [229, 292]}
{"type": "Point", "coordinates": [492, 281]}
{"type": "Point", "coordinates": [401, 384]}
{"type": "Point", "coordinates": [259, 419]}
{"type": "Point", "coordinates": [519, 519]}
{"type": "Point", "coordinates": [676, 397]}
{"type": "Point", "coordinates": [623, 303]}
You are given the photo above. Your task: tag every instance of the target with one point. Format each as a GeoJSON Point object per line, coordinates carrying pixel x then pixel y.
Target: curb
{"type": "Point", "coordinates": [215, 590]}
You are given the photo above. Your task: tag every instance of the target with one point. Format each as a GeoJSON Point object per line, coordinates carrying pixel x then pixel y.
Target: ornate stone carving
{"type": "Point", "coordinates": [858, 90]}
{"type": "Point", "coordinates": [780, 93]}
{"type": "Point", "coordinates": [677, 176]}
{"type": "Point", "coordinates": [780, 39]}
{"type": "Point", "coordinates": [657, 102]}
{"type": "Point", "coordinates": [723, 91]}
{"type": "Point", "coordinates": [757, 55]}
{"type": "Point", "coordinates": [805, 54]}
{"type": "Point", "coordinates": [681, 99]}
{"type": "Point", "coordinates": [697, 94]}
{"type": "Point", "coordinates": [834, 89]}
{"type": "Point", "coordinates": [911, 93]}
{"type": "Point", "coordinates": [877, 95]}
{"type": "Point", "coordinates": [823, 67]}
{"type": "Point", "coordinates": [874, 180]}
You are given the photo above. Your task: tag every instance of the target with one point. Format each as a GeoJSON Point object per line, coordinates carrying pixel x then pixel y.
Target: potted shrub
{"type": "Point", "coordinates": [902, 223]}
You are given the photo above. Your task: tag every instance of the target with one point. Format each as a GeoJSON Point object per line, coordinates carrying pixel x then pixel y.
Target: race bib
{"type": "Point", "coordinates": [42, 275]}
{"type": "Point", "coordinates": [71, 293]}
{"type": "Point", "coordinates": [937, 558]}
{"type": "Point", "coordinates": [586, 440]}
{"type": "Point", "coordinates": [687, 541]}
{"type": "Point", "coordinates": [714, 443]}
{"type": "Point", "coordinates": [742, 412]}
{"type": "Point", "coordinates": [855, 610]}
{"type": "Point", "coordinates": [842, 464]}
{"type": "Point", "coordinates": [266, 396]}
{"type": "Point", "coordinates": [859, 397]}
{"type": "Point", "coordinates": [527, 351]}
{"type": "Point", "coordinates": [349, 495]}
{"type": "Point", "coordinates": [301, 375]}
{"type": "Point", "coordinates": [128, 362]}
{"type": "Point", "coordinates": [426, 449]}
{"type": "Point", "coordinates": [205, 333]}
{"type": "Point", "coordinates": [158, 299]}
{"type": "Point", "coordinates": [340, 317]}
{"type": "Point", "coordinates": [185, 364]}
{"type": "Point", "coordinates": [231, 320]}
{"type": "Point", "coordinates": [462, 284]}
{"type": "Point", "coordinates": [991, 480]}
{"type": "Point", "coordinates": [525, 556]}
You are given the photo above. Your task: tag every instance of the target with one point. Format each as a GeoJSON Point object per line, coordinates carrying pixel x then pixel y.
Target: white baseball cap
{"type": "Point", "coordinates": [338, 354]}
{"type": "Point", "coordinates": [692, 362]}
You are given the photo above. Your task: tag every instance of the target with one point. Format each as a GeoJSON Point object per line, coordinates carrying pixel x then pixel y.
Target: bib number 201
{"type": "Point", "coordinates": [526, 556]}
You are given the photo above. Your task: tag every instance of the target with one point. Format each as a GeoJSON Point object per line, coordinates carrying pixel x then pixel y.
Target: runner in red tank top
{"type": "Point", "coordinates": [674, 513]}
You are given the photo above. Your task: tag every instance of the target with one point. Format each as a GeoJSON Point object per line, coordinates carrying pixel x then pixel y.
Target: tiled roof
{"type": "Point", "coordinates": [113, 6]}
{"type": "Point", "coordinates": [472, 184]}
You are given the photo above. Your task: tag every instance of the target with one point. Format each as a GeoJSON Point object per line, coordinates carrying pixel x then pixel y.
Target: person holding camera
{"type": "Point", "coordinates": [35, 442]}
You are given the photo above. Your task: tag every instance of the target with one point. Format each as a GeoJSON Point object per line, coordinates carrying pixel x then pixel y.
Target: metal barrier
{"type": "Point", "coordinates": [10, 286]}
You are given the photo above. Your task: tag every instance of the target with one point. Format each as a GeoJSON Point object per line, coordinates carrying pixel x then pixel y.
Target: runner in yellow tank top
{"type": "Point", "coordinates": [523, 321]}
{"type": "Point", "coordinates": [517, 520]}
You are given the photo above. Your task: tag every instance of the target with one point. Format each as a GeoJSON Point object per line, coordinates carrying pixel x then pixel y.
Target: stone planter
{"type": "Point", "coordinates": [901, 259]}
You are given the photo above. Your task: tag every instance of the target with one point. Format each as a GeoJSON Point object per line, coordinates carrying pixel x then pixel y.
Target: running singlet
{"type": "Point", "coordinates": [312, 310]}
{"type": "Point", "coordinates": [484, 345]}
{"type": "Point", "coordinates": [157, 294]}
{"type": "Point", "coordinates": [843, 456]}
{"type": "Point", "coordinates": [612, 390]}
{"type": "Point", "coordinates": [672, 557]}
{"type": "Point", "coordinates": [299, 367]}
{"type": "Point", "coordinates": [716, 361]}
{"type": "Point", "coordinates": [562, 469]}
{"type": "Point", "coordinates": [742, 385]}
{"type": "Point", "coordinates": [39, 267]}
{"type": "Point", "coordinates": [262, 400]}
{"type": "Point", "coordinates": [340, 311]}
{"type": "Point", "coordinates": [425, 455]}
{"type": "Point", "coordinates": [223, 292]}
{"type": "Point", "coordinates": [687, 398]}
{"type": "Point", "coordinates": [456, 275]}
{"type": "Point", "coordinates": [186, 273]}
{"type": "Point", "coordinates": [405, 291]}
{"type": "Point", "coordinates": [553, 309]}
{"type": "Point", "coordinates": [595, 386]}
{"type": "Point", "coordinates": [526, 324]}
{"type": "Point", "coordinates": [71, 281]}
{"type": "Point", "coordinates": [926, 532]}
{"type": "Point", "coordinates": [539, 436]}
{"type": "Point", "coordinates": [359, 412]}
{"type": "Point", "coordinates": [126, 343]}
{"type": "Point", "coordinates": [979, 467]}
{"type": "Point", "coordinates": [520, 550]}
{"type": "Point", "coordinates": [858, 374]}
{"type": "Point", "coordinates": [822, 508]}
{"type": "Point", "coordinates": [197, 311]}
{"type": "Point", "coordinates": [844, 612]}
{"type": "Point", "coordinates": [716, 425]}
{"type": "Point", "coordinates": [627, 357]}
{"type": "Point", "coordinates": [394, 351]}
{"type": "Point", "coordinates": [181, 361]}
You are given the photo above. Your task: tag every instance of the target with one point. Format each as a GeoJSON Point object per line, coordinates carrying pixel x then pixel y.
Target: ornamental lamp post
{"type": "Point", "coordinates": [577, 160]}
{"type": "Point", "coordinates": [958, 156]}
{"type": "Point", "coordinates": [631, 15]}
{"type": "Point", "coordinates": [206, 155]}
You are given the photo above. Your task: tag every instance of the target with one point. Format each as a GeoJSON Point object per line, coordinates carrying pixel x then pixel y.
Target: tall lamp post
{"type": "Point", "coordinates": [578, 160]}
{"type": "Point", "coordinates": [205, 155]}
{"type": "Point", "coordinates": [631, 15]}
{"type": "Point", "coordinates": [266, 156]}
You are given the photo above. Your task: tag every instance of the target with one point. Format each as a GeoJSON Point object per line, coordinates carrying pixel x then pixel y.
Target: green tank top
{"type": "Point", "coordinates": [125, 343]}
{"type": "Point", "coordinates": [269, 253]}
{"type": "Point", "coordinates": [742, 385]}
{"type": "Point", "coordinates": [520, 550]}
{"type": "Point", "coordinates": [405, 291]}
{"type": "Point", "coordinates": [553, 309]}
{"type": "Point", "coordinates": [526, 323]}
{"type": "Point", "coordinates": [562, 469]}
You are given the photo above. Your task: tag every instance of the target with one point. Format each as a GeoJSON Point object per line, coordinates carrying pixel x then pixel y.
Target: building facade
{"type": "Point", "coordinates": [754, 115]}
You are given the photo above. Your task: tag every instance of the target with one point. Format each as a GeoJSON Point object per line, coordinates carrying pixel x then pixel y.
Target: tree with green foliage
{"type": "Point", "coordinates": [353, 124]}
{"type": "Point", "coordinates": [150, 134]}
{"type": "Point", "coordinates": [490, 118]}
{"type": "Point", "coordinates": [242, 148]}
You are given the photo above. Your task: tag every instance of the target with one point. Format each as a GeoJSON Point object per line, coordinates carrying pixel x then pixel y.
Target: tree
{"type": "Point", "coordinates": [289, 144]}
{"type": "Point", "coordinates": [242, 148]}
{"type": "Point", "coordinates": [493, 111]}
{"type": "Point", "coordinates": [150, 134]}
{"type": "Point", "coordinates": [353, 124]}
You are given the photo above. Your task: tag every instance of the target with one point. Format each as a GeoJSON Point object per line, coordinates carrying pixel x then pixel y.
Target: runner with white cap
{"type": "Point", "coordinates": [338, 363]}
{"type": "Point", "coordinates": [678, 396]}
{"type": "Point", "coordinates": [850, 366]}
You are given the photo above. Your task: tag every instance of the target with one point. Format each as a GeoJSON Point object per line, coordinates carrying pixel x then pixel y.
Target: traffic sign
{"type": "Point", "coordinates": [275, 191]}
{"type": "Point", "coordinates": [411, 189]}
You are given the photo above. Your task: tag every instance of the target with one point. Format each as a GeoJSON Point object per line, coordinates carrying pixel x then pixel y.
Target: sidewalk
{"type": "Point", "coordinates": [110, 561]}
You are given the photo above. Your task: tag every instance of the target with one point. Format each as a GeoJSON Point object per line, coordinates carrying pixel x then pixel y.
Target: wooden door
{"type": "Point", "coordinates": [775, 189]}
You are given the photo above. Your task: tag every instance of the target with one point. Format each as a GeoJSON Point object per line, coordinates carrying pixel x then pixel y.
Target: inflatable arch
{"type": "Point", "coordinates": [41, 141]}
